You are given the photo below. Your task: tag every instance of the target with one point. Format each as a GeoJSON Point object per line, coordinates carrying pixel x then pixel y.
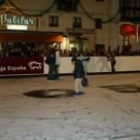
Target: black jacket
{"type": "Point", "coordinates": [50, 59]}
{"type": "Point", "coordinates": [78, 69]}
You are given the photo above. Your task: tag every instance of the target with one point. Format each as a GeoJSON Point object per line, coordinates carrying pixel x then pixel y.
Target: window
{"type": "Point", "coordinates": [130, 10]}
{"type": "Point", "coordinates": [67, 5]}
{"type": "Point", "coordinates": [98, 23]}
{"type": "Point", "coordinates": [138, 3]}
{"type": "Point", "coordinates": [53, 21]}
{"type": "Point", "coordinates": [128, 3]}
{"type": "Point", "coordinates": [77, 22]}
{"type": "Point", "coordinates": [99, 0]}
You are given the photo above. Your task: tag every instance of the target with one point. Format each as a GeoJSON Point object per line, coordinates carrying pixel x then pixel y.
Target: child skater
{"type": "Point", "coordinates": [85, 59]}
{"type": "Point", "coordinates": [79, 74]}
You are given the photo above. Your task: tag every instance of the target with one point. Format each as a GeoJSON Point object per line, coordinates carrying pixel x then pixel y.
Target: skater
{"type": "Point", "coordinates": [79, 74]}
{"type": "Point", "coordinates": [85, 59]}
{"type": "Point", "coordinates": [111, 58]}
{"type": "Point", "coordinates": [50, 61]}
{"type": "Point", "coordinates": [57, 61]}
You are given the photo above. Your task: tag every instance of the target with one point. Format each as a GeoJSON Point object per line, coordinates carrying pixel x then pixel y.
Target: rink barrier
{"type": "Point", "coordinates": [36, 66]}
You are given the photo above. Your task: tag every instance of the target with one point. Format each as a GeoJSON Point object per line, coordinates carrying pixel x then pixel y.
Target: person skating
{"type": "Point", "coordinates": [79, 74]}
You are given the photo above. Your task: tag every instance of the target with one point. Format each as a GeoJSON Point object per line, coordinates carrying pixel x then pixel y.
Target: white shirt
{"type": "Point", "coordinates": [57, 55]}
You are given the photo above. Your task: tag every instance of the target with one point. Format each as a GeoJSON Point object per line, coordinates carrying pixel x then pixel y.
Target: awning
{"type": "Point", "coordinates": [128, 29]}
{"type": "Point", "coordinates": [30, 37]}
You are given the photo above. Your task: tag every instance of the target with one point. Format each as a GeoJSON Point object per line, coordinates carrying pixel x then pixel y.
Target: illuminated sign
{"type": "Point", "coordinates": [17, 20]}
{"type": "Point", "coordinates": [16, 27]}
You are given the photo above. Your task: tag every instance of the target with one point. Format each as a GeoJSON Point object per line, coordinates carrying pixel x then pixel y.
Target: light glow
{"type": "Point", "coordinates": [64, 43]}
{"type": "Point", "coordinates": [16, 27]}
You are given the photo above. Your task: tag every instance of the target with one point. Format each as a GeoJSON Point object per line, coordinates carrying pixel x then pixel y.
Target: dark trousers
{"type": "Point", "coordinates": [113, 66]}
{"type": "Point", "coordinates": [56, 71]}
{"type": "Point", "coordinates": [51, 73]}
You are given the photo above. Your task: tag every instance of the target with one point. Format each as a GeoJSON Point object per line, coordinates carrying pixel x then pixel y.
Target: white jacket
{"type": "Point", "coordinates": [57, 56]}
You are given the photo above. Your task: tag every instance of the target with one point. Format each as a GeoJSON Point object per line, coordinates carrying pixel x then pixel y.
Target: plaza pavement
{"type": "Point", "coordinates": [109, 109]}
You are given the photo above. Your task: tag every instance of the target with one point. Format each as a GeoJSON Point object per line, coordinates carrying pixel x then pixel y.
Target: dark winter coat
{"type": "Point", "coordinates": [50, 59]}
{"type": "Point", "coordinates": [78, 69]}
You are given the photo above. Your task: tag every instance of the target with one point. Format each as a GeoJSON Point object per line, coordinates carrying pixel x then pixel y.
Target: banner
{"type": "Point", "coordinates": [19, 65]}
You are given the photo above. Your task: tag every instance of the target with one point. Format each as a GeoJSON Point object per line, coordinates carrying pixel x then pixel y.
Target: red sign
{"type": "Point", "coordinates": [19, 65]}
{"type": "Point", "coordinates": [127, 29]}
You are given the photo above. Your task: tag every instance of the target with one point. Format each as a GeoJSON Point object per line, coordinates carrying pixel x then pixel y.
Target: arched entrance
{"type": "Point", "coordinates": [130, 36]}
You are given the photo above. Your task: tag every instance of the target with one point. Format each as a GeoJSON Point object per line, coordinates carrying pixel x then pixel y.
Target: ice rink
{"type": "Point", "coordinates": [33, 108]}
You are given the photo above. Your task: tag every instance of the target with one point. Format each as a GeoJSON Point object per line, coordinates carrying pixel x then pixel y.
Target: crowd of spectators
{"type": "Point", "coordinates": [22, 50]}
{"type": "Point", "coordinates": [40, 50]}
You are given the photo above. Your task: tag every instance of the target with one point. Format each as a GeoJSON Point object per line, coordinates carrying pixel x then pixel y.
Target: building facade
{"type": "Point", "coordinates": [129, 24]}
{"type": "Point", "coordinates": [90, 24]}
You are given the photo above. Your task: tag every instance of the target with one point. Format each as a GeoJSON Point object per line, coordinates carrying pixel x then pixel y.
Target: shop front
{"type": "Point", "coordinates": [22, 47]}
{"type": "Point", "coordinates": [130, 37]}
{"type": "Point", "coordinates": [80, 38]}
{"type": "Point", "coordinates": [24, 52]}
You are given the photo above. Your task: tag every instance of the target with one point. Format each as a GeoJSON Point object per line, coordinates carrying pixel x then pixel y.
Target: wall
{"type": "Point", "coordinates": [95, 9]}
{"type": "Point", "coordinates": [101, 65]}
